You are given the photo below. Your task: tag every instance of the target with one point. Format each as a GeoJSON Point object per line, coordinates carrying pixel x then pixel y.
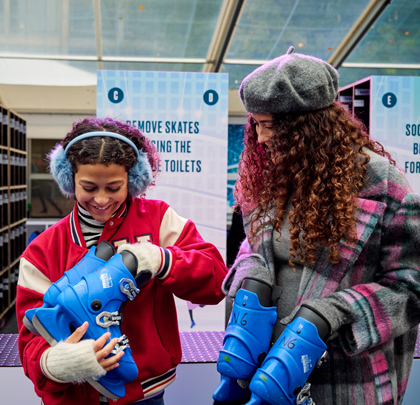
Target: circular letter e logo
{"type": "Point", "coordinates": [389, 100]}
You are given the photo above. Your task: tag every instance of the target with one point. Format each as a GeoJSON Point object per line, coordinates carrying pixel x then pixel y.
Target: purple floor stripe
{"type": "Point", "coordinates": [197, 347]}
{"type": "Point", "coordinates": [9, 354]}
{"type": "Point", "coordinates": [201, 347]}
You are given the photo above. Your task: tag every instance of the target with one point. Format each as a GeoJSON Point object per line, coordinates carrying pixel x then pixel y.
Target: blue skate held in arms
{"type": "Point", "coordinates": [99, 299]}
{"type": "Point", "coordinates": [246, 340]}
{"type": "Point", "coordinates": [282, 378]}
{"type": "Point", "coordinates": [92, 260]}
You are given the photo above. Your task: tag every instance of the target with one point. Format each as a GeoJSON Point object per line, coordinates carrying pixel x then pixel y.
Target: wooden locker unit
{"type": "Point", "coordinates": [13, 162]}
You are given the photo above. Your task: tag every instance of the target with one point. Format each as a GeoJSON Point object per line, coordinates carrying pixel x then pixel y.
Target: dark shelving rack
{"type": "Point", "coordinates": [13, 191]}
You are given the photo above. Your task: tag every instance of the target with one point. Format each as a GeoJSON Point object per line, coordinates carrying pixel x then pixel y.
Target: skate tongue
{"type": "Point", "coordinates": [104, 250]}
{"type": "Point", "coordinates": [143, 277]}
{"type": "Point", "coordinates": [130, 261]}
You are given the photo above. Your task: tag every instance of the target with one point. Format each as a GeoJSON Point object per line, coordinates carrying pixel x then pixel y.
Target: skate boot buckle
{"type": "Point", "coordinates": [305, 395]}
{"type": "Point", "coordinates": [128, 288]}
{"type": "Point", "coordinates": [109, 318]}
{"type": "Point", "coordinates": [322, 359]}
{"type": "Point", "coordinates": [121, 345]}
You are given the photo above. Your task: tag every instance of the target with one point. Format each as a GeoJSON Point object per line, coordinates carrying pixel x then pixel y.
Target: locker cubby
{"type": "Point", "coordinates": [13, 162]}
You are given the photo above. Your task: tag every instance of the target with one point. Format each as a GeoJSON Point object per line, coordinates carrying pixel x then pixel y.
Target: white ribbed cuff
{"type": "Point", "coordinates": [71, 362]}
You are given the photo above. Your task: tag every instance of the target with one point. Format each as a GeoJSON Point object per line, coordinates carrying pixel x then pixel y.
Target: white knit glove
{"type": "Point", "coordinates": [153, 261]}
{"type": "Point", "coordinates": [71, 362]}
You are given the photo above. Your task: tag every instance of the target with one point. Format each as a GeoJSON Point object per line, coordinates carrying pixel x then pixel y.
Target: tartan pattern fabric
{"type": "Point", "coordinates": [377, 278]}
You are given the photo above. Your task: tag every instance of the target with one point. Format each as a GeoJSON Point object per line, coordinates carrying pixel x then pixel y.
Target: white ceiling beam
{"type": "Point", "coordinates": [152, 60]}
{"type": "Point", "coordinates": [64, 43]}
{"type": "Point", "coordinates": [6, 55]}
{"type": "Point", "coordinates": [103, 58]}
{"type": "Point", "coordinates": [245, 61]}
{"type": "Point", "coordinates": [98, 32]}
{"type": "Point", "coordinates": [229, 16]}
{"type": "Point", "coordinates": [356, 33]}
{"type": "Point", "coordinates": [380, 65]}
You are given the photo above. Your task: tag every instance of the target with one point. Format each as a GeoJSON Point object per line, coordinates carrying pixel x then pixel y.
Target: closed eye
{"type": "Point", "coordinates": [266, 126]}
{"type": "Point", "coordinates": [114, 190]}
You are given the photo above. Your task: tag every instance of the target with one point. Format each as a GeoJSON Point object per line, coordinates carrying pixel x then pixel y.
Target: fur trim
{"type": "Point", "coordinates": [61, 170]}
{"type": "Point", "coordinates": [140, 175]}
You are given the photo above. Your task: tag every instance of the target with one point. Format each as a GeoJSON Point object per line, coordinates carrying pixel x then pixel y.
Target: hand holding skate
{"type": "Point", "coordinates": [153, 260]}
{"type": "Point", "coordinates": [99, 298]}
{"type": "Point", "coordinates": [96, 257]}
{"type": "Point", "coordinates": [76, 360]}
{"type": "Point", "coordinates": [282, 378]}
{"type": "Point", "coordinates": [246, 340]}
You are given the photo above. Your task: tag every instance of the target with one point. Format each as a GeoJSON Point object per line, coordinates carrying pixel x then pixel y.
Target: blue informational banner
{"type": "Point", "coordinates": [186, 117]}
{"type": "Point", "coordinates": [395, 121]}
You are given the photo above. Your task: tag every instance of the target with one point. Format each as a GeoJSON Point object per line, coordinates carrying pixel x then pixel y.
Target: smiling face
{"type": "Point", "coordinates": [264, 127]}
{"type": "Point", "coordinates": [101, 189]}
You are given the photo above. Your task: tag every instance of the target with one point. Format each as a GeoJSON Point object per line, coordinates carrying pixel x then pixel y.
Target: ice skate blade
{"type": "Point", "coordinates": [43, 332]}
{"type": "Point", "coordinates": [29, 326]}
{"type": "Point", "coordinates": [102, 390]}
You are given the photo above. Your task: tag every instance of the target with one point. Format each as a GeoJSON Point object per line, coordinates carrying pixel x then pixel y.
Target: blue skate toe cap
{"type": "Point", "coordinates": [268, 390]}
{"type": "Point", "coordinates": [229, 390]}
{"type": "Point", "coordinates": [235, 366]}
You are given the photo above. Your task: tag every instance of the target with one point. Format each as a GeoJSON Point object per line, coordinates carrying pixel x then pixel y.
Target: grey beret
{"type": "Point", "coordinates": [290, 83]}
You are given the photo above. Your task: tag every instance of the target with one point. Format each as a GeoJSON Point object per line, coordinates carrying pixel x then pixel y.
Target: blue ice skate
{"type": "Point", "coordinates": [246, 340]}
{"type": "Point", "coordinates": [282, 378]}
{"type": "Point", "coordinates": [92, 260]}
{"type": "Point", "coordinates": [99, 299]}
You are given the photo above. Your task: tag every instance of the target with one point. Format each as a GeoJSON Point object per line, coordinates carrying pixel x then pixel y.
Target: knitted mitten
{"type": "Point", "coordinates": [152, 260]}
{"type": "Point", "coordinates": [71, 362]}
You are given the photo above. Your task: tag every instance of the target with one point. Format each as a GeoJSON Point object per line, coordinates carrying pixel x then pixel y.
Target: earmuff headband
{"type": "Point", "coordinates": [140, 176]}
{"type": "Point", "coordinates": [102, 133]}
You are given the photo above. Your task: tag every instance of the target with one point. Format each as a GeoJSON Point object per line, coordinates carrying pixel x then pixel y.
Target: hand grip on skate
{"type": "Point", "coordinates": [97, 298]}
{"type": "Point", "coordinates": [96, 257]}
{"type": "Point", "coordinates": [246, 340]}
{"type": "Point", "coordinates": [282, 378]}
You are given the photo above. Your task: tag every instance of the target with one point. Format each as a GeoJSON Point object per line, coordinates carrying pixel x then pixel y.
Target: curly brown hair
{"type": "Point", "coordinates": [108, 150]}
{"type": "Point", "coordinates": [319, 164]}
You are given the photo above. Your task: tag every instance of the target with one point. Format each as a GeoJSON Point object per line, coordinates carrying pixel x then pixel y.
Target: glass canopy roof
{"type": "Point", "coordinates": [74, 38]}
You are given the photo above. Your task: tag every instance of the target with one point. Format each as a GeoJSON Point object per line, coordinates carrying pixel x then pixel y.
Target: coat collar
{"type": "Point", "coordinates": [76, 232]}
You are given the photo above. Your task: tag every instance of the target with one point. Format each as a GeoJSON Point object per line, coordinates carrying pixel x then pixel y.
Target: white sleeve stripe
{"type": "Point", "coordinates": [171, 228]}
{"type": "Point", "coordinates": [30, 277]}
{"type": "Point", "coordinates": [166, 264]}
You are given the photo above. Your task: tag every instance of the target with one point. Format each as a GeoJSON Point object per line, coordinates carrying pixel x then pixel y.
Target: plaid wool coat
{"type": "Point", "coordinates": [375, 287]}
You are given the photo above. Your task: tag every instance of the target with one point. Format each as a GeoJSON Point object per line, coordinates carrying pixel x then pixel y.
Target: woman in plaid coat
{"type": "Point", "coordinates": [331, 223]}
